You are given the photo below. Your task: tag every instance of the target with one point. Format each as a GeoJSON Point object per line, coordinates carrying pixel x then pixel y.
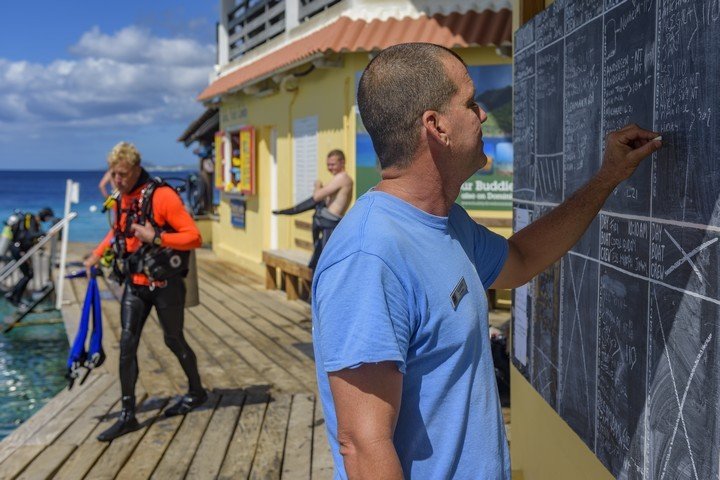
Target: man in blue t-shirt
{"type": "Point", "coordinates": [399, 308]}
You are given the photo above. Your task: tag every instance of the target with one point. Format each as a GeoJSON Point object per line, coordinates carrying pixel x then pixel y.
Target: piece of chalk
{"type": "Point", "coordinates": [658, 138]}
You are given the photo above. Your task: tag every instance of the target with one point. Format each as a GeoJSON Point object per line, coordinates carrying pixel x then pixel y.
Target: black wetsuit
{"type": "Point", "coordinates": [169, 303]}
{"type": "Point", "coordinates": [323, 226]}
{"type": "Point", "coordinates": [25, 232]}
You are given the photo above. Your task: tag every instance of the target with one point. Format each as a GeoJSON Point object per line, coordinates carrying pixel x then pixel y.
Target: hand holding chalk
{"type": "Point", "coordinates": [624, 150]}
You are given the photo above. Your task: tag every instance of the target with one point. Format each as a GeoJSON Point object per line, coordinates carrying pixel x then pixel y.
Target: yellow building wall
{"type": "Point", "coordinates": [205, 226]}
{"type": "Point", "coordinates": [325, 93]}
{"type": "Point", "coordinates": [542, 445]}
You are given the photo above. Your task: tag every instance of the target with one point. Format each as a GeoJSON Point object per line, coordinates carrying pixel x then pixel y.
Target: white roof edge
{"type": "Point", "coordinates": [384, 9]}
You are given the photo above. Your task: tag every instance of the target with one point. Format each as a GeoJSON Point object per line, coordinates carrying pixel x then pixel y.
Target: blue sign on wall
{"type": "Point", "coordinates": [237, 212]}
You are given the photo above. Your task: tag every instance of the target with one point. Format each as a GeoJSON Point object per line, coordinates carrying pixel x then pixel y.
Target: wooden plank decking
{"type": "Point", "coordinates": [263, 419]}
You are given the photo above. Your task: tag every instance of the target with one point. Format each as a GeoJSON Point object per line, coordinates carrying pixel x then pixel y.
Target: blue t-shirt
{"type": "Point", "coordinates": [389, 287]}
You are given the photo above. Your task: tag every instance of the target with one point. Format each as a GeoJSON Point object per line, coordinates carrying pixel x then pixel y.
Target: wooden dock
{"type": "Point", "coordinates": [263, 419]}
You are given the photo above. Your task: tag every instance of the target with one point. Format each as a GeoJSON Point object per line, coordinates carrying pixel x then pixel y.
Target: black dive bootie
{"type": "Point", "coordinates": [186, 403]}
{"type": "Point", "coordinates": [126, 424]}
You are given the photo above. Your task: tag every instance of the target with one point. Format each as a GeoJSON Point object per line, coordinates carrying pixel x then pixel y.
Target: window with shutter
{"type": "Point", "coordinates": [305, 157]}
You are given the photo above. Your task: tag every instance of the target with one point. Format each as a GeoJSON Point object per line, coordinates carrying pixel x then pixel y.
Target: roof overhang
{"type": "Point", "coordinates": [202, 128]}
{"type": "Point", "coordinates": [347, 35]}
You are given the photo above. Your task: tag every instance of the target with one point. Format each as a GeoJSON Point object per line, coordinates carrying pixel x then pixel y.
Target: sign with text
{"type": "Point", "coordinates": [237, 212]}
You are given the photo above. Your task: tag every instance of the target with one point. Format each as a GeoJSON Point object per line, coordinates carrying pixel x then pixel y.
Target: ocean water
{"type": "Point", "coordinates": [32, 368]}
{"type": "Point", "coordinates": [33, 358]}
{"type": "Point", "coordinates": [29, 191]}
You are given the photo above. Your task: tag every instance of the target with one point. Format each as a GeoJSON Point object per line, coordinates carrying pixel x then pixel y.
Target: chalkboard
{"type": "Point", "coordinates": [622, 336]}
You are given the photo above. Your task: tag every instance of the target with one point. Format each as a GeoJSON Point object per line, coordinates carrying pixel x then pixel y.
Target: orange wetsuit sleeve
{"type": "Point", "coordinates": [169, 209]}
{"type": "Point", "coordinates": [104, 245]}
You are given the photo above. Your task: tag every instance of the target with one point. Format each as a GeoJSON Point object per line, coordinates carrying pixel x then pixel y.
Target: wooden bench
{"type": "Point", "coordinates": [296, 276]}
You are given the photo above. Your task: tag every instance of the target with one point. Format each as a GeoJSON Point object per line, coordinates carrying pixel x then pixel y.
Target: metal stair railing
{"type": "Point", "coordinates": [55, 230]}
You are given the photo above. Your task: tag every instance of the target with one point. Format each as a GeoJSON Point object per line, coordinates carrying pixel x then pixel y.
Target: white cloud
{"type": "Point", "coordinates": [136, 46]}
{"type": "Point", "coordinates": [128, 78]}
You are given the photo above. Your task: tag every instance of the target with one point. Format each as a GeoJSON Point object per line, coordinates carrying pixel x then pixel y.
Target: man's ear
{"type": "Point", "coordinates": [434, 125]}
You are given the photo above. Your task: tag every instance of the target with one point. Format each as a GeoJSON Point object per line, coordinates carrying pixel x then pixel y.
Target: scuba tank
{"type": "Point", "coordinates": [5, 239]}
{"type": "Point", "coordinates": [192, 293]}
{"type": "Point", "coordinates": [7, 234]}
{"type": "Point", "coordinates": [43, 271]}
{"type": "Point", "coordinates": [37, 281]}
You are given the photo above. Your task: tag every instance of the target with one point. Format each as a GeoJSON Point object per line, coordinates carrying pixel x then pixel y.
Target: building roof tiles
{"type": "Point", "coordinates": [347, 35]}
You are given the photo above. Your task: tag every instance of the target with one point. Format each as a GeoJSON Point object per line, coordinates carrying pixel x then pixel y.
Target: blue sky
{"type": "Point", "coordinates": [78, 76]}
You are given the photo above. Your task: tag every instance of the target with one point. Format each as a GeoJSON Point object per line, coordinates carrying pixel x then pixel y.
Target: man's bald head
{"type": "Point", "coordinates": [397, 87]}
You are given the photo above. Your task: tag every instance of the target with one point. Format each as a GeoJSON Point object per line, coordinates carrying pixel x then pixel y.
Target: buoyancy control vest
{"type": "Point", "coordinates": [156, 262]}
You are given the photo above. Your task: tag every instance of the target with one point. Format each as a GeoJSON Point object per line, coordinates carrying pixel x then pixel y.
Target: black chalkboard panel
{"type": "Point", "coordinates": [684, 382]}
{"type": "Point", "coordinates": [687, 112]}
{"type": "Point", "coordinates": [549, 139]}
{"type": "Point", "coordinates": [622, 343]}
{"type": "Point", "coordinates": [580, 12]}
{"type": "Point", "coordinates": [524, 125]}
{"type": "Point", "coordinates": [578, 346]}
{"type": "Point", "coordinates": [622, 336]}
{"type": "Point", "coordinates": [628, 81]}
{"type": "Point", "coordinates": [552, 27]}
{"type": "Point", "coordinates": [582, 98]}
{"type": "Point", "coordinates": [545, 329]}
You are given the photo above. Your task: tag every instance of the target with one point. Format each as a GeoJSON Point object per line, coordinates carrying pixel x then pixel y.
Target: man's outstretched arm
{"type": "Point", "coordinates": [367, 401]}
{"type": "Point", "coordinates": [540, 244]}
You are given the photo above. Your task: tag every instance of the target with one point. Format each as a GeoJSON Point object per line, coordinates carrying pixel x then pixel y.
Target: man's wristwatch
{"type": "Point", "coordinates": [157, 240]}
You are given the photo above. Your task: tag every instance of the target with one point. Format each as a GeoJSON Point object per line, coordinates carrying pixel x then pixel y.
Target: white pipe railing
{"type": "Point", "coordinates": [55, 230]}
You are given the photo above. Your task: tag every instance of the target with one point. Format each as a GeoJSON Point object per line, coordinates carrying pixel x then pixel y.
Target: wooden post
{"type": "Point", "coordinates": [492, 299]}
{"type": "Point", "coordinates": [530, 8]}
{"type": "Point", "coordinates": [270, 278]}
{"type": "Point", "coordinates": [305, 289]}
{"type": "Point", "coordinates": [291, 286]}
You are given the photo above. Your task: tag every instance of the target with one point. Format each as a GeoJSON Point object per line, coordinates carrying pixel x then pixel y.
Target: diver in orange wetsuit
{"type": "Point", "coordinates": [151, 239]}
